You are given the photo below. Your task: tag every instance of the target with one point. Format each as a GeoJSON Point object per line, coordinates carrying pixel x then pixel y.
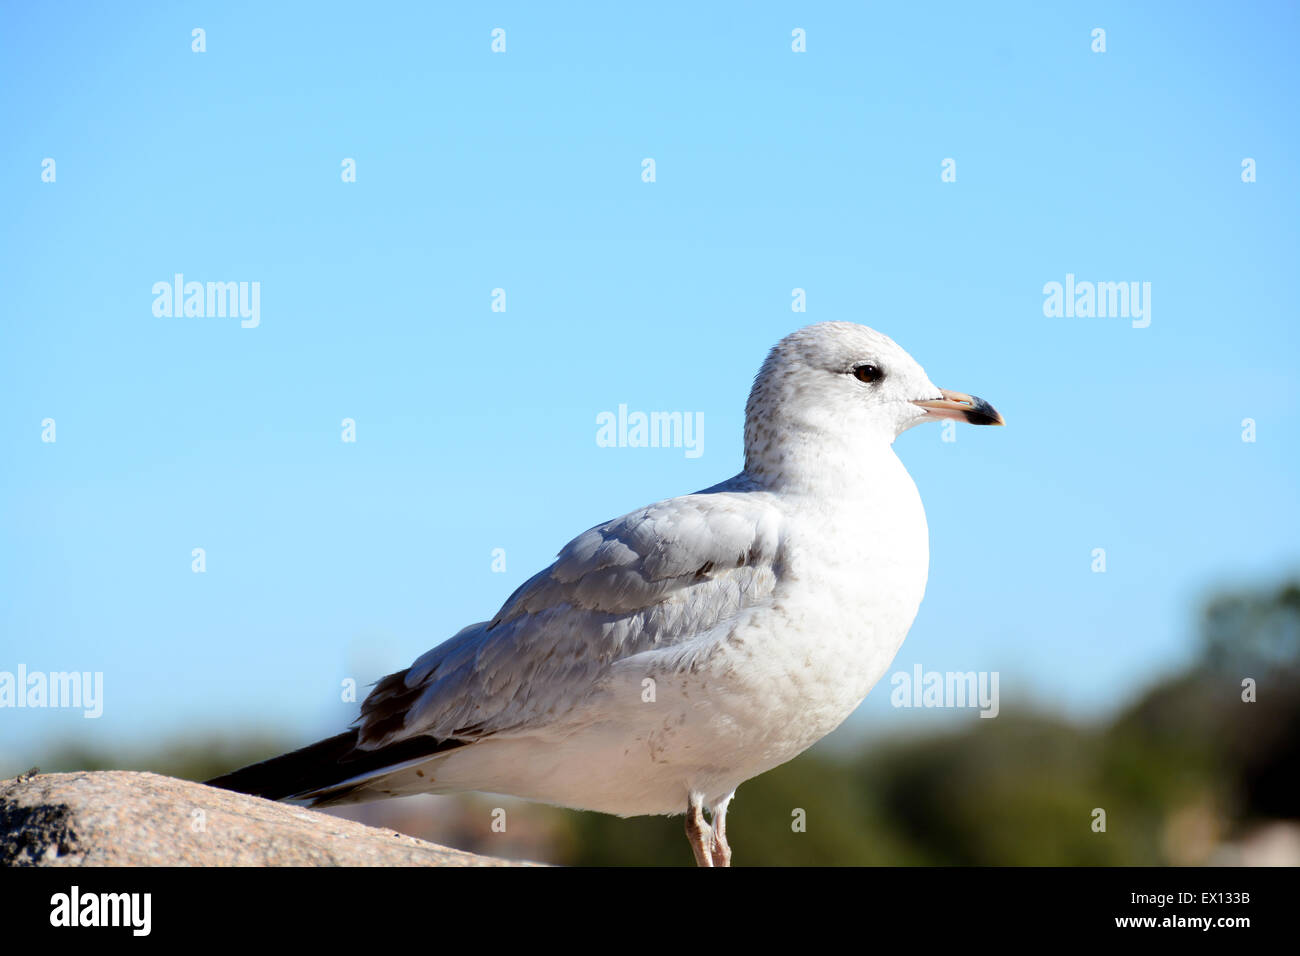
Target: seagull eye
{"type": "Point", "coordinates": [868, 373]}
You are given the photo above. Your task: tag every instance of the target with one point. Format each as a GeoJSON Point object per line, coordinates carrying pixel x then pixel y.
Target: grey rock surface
{"type": "Point", "coordinates": [123, 818]}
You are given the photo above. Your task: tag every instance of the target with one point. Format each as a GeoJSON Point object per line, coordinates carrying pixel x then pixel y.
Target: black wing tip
{"type": "Point", "coordinates": [280, 777]}
{"type": "Point", "coordinates": [325, 764]}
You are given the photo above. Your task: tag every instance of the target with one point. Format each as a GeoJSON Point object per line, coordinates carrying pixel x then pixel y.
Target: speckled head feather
{"type": "Point", "coordinates": [807, 394]}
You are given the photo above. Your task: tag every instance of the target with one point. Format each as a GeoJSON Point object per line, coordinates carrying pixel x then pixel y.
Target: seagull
{"type": "Point", "coordinates": [673, 653]}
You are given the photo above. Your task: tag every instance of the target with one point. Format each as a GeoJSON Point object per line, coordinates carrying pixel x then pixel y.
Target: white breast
{"type": "Point", "coordinates": [850, 586]}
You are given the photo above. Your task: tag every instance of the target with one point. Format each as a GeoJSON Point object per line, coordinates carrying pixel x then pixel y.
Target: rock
{"type": "Point", "coordinates": [121, 818]}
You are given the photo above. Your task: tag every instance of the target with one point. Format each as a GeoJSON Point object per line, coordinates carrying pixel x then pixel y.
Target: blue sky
{"type": "Point", "coordinates": [476, 429]}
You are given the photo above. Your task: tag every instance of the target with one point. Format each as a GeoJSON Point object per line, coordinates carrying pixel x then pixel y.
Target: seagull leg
{"type": "Point", "coordinates": [721, 850]}
{"type": "Point", "coordinates": [698, 831]}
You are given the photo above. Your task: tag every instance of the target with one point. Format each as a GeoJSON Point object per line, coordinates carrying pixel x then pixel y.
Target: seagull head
{"type": "Point", "coordinates": [845, 383]}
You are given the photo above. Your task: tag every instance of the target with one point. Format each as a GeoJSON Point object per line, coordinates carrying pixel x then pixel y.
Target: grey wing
{"type": "Point", "coordinates": [665, 575]}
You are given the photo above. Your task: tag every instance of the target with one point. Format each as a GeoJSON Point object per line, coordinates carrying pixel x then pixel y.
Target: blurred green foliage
{"type": "Point", "coordinates": [1183, 768]}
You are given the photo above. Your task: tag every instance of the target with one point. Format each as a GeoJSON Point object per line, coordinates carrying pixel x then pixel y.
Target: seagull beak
{"type": "Point", "coordinates": [962, 407]}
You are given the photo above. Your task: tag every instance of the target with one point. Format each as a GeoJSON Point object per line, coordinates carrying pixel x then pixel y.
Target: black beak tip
{"type": "Point", "coordinates": [982, 413]}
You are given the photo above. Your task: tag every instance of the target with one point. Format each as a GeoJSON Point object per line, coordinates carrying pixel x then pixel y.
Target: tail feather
{"type": "Point", "coordinates": [324, 765]}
